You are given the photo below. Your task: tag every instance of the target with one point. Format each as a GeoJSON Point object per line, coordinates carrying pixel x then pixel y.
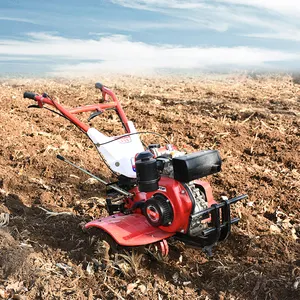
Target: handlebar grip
{"type": "Point", "coordinates": [29, 95]}
{"type": "Point", "coordinates": [60, 157]}
{"type": "Point", "coordinates": [99, 86]}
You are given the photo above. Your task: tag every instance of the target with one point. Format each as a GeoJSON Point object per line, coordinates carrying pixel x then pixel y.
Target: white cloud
{"type": "Point", "coordinates": [119, 53]}
{"type": "Point", "coordinates": [270, 18]}
{"type": "Point", "coordinates": [289, 7]}
{"type": "Point", "coordinates": [18, 20]}
{"type": "Point", "coordinates": [14, 58]}
{"type": "Point", "coordinates": [156, 4]}
{"type": "Point", "coordinates": [286, 35]}
{"type": "Point", "coordinates": [285, 7]}
{"type": "Point", "coordinates": [136, 26]}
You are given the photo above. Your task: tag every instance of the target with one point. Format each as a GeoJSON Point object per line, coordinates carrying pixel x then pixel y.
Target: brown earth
{"type": "Point", "coordinates": [253, 122]}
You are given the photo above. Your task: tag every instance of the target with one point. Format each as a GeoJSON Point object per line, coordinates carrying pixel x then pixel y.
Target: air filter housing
{"type": "Point", "coordinates": [146, 172]}
{"type": "Point", "coordinates": [196, 165]}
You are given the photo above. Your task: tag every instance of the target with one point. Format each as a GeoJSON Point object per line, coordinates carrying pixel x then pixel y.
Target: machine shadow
{"type": "Point", "coordinates": [61, 231]}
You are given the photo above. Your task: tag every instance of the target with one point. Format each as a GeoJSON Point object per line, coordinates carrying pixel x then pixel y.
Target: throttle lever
{"type": "Point", "coordinates": [95, 114]}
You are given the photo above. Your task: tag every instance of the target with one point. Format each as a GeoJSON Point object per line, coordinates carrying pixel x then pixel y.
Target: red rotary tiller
{"type": "Point", "coordinates": [158, 194]}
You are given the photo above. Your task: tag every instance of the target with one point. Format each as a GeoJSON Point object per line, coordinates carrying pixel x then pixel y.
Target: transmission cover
{"type": "Point", "coordinates": [196, 165]}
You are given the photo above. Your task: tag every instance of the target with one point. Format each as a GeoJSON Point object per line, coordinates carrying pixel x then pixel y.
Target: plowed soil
{"type": "Point", "coordinates": [253, 122]}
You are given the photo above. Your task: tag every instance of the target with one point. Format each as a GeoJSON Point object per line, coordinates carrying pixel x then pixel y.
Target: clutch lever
{"type": "Point", "coordinates": [95, 114]}
{"type": "Point", "coordinates": [33, 106]}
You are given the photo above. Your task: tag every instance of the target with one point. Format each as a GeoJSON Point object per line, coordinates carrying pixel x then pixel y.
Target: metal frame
{"type": "Point", "coordinates": [70, 114]}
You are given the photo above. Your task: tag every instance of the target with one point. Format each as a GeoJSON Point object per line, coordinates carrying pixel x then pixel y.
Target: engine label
{"type": "Point", "coordinates": [133, 164]}
{"type": "Point", "coordinates": [124, 139]}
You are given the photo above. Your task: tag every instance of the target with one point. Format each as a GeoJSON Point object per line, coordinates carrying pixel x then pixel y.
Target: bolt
{"type": "Point", "coordinates": [182, 192]}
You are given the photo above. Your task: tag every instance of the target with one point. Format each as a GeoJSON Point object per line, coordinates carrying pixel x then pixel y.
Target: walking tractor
{"type": "Point", "coordinates": [159, 193]}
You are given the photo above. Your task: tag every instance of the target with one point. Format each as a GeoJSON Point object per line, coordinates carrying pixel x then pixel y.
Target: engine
{"type": "Point", "coordinates": [174, 164]}
{"type": "Point", "coordinates": [160, 173]}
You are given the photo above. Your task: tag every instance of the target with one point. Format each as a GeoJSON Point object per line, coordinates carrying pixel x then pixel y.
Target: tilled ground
{"type": "Point", "coordinates": [254, 123]}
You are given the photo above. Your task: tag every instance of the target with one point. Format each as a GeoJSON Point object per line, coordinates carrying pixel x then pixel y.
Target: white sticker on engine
{"type": "Point", "coordinates": [162, 188]}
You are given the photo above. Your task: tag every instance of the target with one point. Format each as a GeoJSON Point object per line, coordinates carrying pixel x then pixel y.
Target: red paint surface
{"type": "Point", "coordinates": [70, 113]}
{"type": "Point", "coordinates": [130, 230]}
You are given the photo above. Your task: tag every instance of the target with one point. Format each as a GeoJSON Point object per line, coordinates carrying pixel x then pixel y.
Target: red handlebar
{"type": "Point", "coordinates": [69, 113]}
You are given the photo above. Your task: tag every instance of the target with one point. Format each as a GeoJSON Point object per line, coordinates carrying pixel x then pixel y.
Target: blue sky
{"type": "Point", "coordinates": [144, 36]}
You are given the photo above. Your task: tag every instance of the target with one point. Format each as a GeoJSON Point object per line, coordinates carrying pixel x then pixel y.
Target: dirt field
{"type": "Point", "coordinates": [253, 122]}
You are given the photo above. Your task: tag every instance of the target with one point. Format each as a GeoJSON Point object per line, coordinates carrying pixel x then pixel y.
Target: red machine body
{"type": "Point", "coordinates": [166, 199]}
{"type": "Point", "coordinates": [135, 230]}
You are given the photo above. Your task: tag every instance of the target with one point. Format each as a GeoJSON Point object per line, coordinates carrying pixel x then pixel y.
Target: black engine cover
{"type": "Point", "coordinates": [196, 165]}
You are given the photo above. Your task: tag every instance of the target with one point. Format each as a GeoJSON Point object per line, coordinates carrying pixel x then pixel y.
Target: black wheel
{"type": "Point", "coordinates": [158, 211]}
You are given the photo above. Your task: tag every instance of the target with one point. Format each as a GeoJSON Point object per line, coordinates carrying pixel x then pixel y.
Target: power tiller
{"type": "Point", "coordinates": [159, 193]}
